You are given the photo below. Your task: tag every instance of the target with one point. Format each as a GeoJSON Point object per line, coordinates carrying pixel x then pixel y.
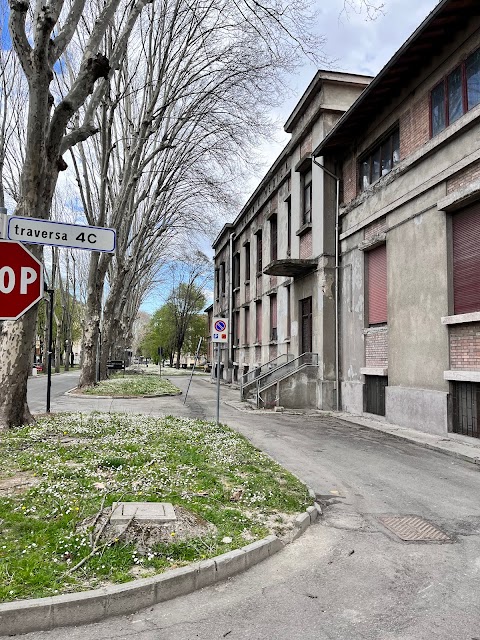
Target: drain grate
{"type": "Point", "coordinates": [414, 528]}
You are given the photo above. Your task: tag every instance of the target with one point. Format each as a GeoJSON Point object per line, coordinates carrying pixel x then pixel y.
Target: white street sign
{"type": "Point", "coordinates": [220, 330]}
{"type": "Point", "coordinates": [61, 234]}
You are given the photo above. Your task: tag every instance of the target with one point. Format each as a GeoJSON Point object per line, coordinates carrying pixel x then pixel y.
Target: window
{"type": "Point", "coordinates": [222, 278]}
{"type": "Point", "coordinates": [273, 317]}
{"type": "Point", "coordinates": [438, 114]}
{"type": "Point", "coordinates": [289, 227]}
{"type": "Point", "coordinates": [259, 253]}
{"type": "Point", "coordinates": [473, 79]}
{"type": "Point", "coordinates": [377, 285]}
{"type": "Point", "coordinates": [246, 325]}
{"type": "Point", "coordinates": [236, 328]}
{"type": "Point", "coordinates": [247, 261]}
{"type": "Point", "coordinates": [217, 284]}
{"type": "Point", "coordinates": [273, 238]}
{"type": "Point", "coordinates": [307, 197]}
{"type": "Point", "coordinates": [258, 321]}
{"type": "Point", "coordinates": [380, 160]}
{"type": "Point", "coordinates": [466, 260]}
{"type": "Point", "coordinates": [236, 271]}
{"type": "Point", "coordinates": [455, 94]}
{"type": "Point", "coordinates": [289, 312]}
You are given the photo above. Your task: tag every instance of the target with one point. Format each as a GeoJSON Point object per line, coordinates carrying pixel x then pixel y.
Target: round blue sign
{"type": "Point", "coordinates": [220, 325]}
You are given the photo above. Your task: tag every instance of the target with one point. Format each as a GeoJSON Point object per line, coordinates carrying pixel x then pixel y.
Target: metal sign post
{"type": "Point", "coordinates": [217, 416]}
{"type": "Point", "coordinates": [193, 369]}
{"type": "Point", "coordinates": [219, 336]}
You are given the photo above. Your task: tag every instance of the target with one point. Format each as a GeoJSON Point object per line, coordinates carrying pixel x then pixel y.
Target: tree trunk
{"type": "Point", "coordinates": [91, 333]}
{"type": "Point", "coordinates": [16, 339]}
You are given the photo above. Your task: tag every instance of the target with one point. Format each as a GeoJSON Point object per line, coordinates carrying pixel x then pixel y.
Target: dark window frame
{"type": "Point", "coordinates": [289, 225]}
{"type": "Point", "coordinates": [466, 107]}
{"type": "Point", "coordinates": [236, 271]}
{"type": "Point", "coordinates": [273, 238]}
{"type": "Point", "coordinates": [247, 261]}
{"type": "Point", "coordinates": [246, 325]}
{"type": "Point", "coordinates": [259, 253]}
{"type": "Point", "coordinates": [222, 279]}
{"type": "Point", "coordinates": [307, 199]}
{"type": "Point", "coordinates": [389, 141]}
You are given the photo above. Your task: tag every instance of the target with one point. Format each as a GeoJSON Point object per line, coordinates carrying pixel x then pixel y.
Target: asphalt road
{"type": "Point", "coordinates": [348, 577]}
{"type": "Point", "coordinates": [37, 389]}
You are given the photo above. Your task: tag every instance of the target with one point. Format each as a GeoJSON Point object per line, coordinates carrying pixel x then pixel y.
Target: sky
{"type": "Point", "coordinates": [354, 44]}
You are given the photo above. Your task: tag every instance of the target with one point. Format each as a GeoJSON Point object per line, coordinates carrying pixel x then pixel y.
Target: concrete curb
{"type": "Point", "coordinates": [72, 394]}
{"type": "Point", "coordinates": [73, 609]}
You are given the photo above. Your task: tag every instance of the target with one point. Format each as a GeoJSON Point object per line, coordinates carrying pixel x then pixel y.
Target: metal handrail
{"type": "Point", "coordinates": [288, 367]}
{"type": "Point", "coordinates": [256, 373]}
{"type": "Point", "coordinates": [287, 375]}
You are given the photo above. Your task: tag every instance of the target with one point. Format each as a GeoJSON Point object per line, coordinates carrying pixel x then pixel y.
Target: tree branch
{"type": "Point", "coordinates": [16, 23]}
{"type": "Point", "coordinates": [63, 39]}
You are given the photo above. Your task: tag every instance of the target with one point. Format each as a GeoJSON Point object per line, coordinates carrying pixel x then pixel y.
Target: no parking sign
{"type": "Point", "coordinates": [219, 330]}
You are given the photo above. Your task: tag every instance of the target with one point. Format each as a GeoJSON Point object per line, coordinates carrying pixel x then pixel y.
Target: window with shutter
{"type": "Point", "coordinates": [377, 285]}
{"type": "Point", "coordinates": [273, 317]}
{"type": "Point", "coordinates": [466, 260]}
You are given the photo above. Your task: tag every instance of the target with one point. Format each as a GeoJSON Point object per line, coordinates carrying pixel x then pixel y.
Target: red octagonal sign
{"type": "Point", "coordinates": [21, 280]}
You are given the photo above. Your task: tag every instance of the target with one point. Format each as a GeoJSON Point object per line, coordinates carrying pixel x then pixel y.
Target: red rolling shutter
{"type": "Point", "coordinates": [466, 260]}
{"type": "Point", "coordinates": [377, 285]}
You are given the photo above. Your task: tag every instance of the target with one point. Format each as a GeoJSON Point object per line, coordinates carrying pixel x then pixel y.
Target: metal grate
{"type": "Point", "coordinates": [466, 402]}
{"type": "Point", "coordinates": [414, 529]}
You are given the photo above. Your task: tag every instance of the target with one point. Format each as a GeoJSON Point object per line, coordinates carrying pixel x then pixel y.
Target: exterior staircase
{"type": "Point", "coordinates": [284, 381]}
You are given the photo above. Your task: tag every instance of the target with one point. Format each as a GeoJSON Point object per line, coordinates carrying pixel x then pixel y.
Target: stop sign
{"type": "Point", "coordinates": [21, 280]}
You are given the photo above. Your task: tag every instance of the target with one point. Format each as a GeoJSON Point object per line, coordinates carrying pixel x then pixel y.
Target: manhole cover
{"type": "Point", "coordinates": [142, 512]}
{"type": "Point", "coordinates": [410, 528]}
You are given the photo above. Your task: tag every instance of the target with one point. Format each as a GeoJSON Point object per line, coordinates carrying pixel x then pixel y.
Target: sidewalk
{"type": "Point", "coordinates": [452, 444]}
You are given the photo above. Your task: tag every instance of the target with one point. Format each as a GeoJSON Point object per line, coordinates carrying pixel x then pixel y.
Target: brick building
{"type": "Point", "coordinates": [275, 264]}
{"type": "Point", "coordinates": [408, 155]}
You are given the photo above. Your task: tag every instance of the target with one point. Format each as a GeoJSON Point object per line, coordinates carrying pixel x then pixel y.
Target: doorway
{"type": "Point", "coordinates": [306, 323]}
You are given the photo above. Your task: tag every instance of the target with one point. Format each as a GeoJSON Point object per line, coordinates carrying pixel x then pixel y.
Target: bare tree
{"type": "Point", "coordinates": [41, 35]}
{"type": "Point", "coordinates": [178, 129]}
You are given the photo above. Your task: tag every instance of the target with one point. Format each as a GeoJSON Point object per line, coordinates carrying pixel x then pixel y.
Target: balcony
{"type": "Point", "coordinates": [291, 267]}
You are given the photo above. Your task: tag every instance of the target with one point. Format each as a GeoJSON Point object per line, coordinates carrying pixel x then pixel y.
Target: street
{"type": "Point", "coordinates": [37, 389]}
{"type": "Point", "coordinates": [348, 577]}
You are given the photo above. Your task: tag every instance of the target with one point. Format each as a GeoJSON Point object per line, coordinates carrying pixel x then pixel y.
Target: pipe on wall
{"type": "Point", "coordinates": [337, 279]}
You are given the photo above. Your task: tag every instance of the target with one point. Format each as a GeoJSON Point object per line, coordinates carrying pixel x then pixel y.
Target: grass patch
{"type": "Point", "coordinates": [133, 385]}
{"type": "Point", "coordinates": [76, 461]}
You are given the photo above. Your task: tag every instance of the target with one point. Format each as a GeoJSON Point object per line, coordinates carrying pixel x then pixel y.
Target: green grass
{"type": "Point", "coordinates": [76, 460]}
{"type": "Point", "coordinates": [133, 385]}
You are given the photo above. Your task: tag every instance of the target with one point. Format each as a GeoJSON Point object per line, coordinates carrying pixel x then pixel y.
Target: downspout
{"type": "Point", "coordinates": [230, 303]}
{"type": "Point", "coordinates": [337, 278]}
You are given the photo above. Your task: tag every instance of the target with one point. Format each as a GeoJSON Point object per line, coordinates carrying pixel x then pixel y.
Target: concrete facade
{"type": "Point", "coordinates": [265, 310]}
{"type": "Point", "coordinates": [409, 209]}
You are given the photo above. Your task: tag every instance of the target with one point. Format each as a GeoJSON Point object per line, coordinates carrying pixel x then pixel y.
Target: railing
{"type": "Point", "coordinates": [277, 372]}
{"type": "Point", "coordinates": [248, 378]}
{"type": "Point", "coordinates": [269, 379]}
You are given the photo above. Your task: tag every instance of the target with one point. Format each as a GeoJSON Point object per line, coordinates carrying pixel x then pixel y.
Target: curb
{"type": "Point", "coordinates": [73, 609]}
{"type": "Point", "coordinates": [71, 393]}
